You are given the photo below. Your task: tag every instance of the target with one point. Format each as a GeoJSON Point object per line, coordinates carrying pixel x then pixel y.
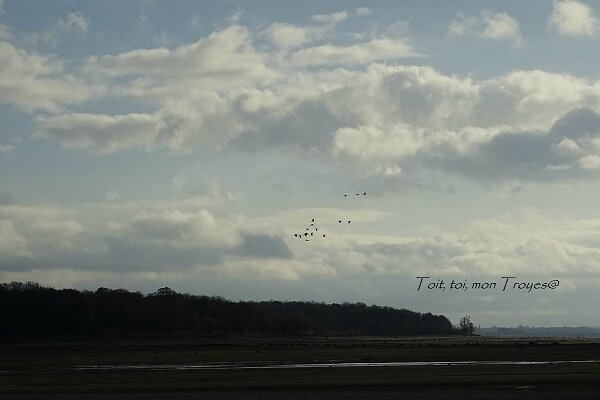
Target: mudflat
{"type": "Point", "coordinates": [304, 367]}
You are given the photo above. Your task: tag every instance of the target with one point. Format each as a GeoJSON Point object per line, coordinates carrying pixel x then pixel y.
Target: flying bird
{"type": "Point", "coordinates": [345, 195]}
{"type": "Point", "coordinates": [349, 221]}
{"type": "Point", "coordinates": [340, 221]}
{"type": "Point", "coordinates": [323, 235]}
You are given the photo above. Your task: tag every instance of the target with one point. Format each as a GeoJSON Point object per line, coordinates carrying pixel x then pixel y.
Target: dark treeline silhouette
{"type": "Point", "coordinates": [30, 311]}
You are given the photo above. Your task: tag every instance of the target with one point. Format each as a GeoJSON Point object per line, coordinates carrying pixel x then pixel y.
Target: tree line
{"type": "Point", "coordinates": [31, 311]}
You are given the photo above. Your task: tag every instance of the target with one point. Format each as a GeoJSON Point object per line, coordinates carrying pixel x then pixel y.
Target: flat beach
{"type": "Point", "coordinates": [304, 368]}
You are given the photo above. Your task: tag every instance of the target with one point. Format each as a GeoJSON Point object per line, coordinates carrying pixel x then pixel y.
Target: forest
{"type": "Point", "coordinates": [33, 312]}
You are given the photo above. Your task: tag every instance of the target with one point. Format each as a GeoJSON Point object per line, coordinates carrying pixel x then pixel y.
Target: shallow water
{"type": "Point", "coordinates": [240, 365]}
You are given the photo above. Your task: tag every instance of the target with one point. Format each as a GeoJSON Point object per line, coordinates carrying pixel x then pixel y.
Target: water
{"type": "Point", "coordinates": [240, 365]}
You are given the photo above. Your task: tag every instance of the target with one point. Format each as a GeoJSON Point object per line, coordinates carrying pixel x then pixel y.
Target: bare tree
{"type": "Point", "coordinates": [466, 326]}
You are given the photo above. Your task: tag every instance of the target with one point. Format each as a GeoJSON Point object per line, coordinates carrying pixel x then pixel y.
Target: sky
{"type": "Point", "coordinates": [191, 144]}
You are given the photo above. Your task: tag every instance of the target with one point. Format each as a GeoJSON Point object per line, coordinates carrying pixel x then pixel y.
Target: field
{"type": "Point", "coordinates": [267, 368]}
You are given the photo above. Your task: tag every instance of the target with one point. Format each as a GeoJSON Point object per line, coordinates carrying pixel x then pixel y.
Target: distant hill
{"type": "Point", "coordinates": [30, 311]}
{"type": "Point", "coordinates": [581, 331]}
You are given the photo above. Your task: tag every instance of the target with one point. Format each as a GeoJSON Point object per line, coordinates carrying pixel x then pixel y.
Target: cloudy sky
{"type": "Point", "coordinates": [146, 144]}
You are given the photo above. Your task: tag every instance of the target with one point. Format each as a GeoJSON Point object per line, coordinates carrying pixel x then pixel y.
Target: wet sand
{"type": "Point", "coordinates": [324, 368]}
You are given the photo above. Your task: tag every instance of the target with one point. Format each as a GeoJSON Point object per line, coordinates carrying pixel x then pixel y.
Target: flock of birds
{"type": "Point", "coordinates": [311, 230]}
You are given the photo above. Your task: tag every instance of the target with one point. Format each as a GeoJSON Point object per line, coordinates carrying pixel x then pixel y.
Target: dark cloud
{"type": "Point", "coordinates": [121, 255]}
{"type": "Point", "coordinates": [529, 156]}
{"type": "Point", "coordinates": [124, 255]}
{"type": "Point", "coordinates": [131, 255]}
{"type": "Point", "coordinates": [309, 125]}
{"type": "Point", "coordinates": [134, 252]}
{"type": "Point", "coordinates": [260, 245]}
{"type": "Point", "coordinates": [578, 123]}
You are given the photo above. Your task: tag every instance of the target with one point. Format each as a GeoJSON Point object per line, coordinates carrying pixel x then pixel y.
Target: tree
{"type": "Point", "coordinates": [165, 291]}
{"type": "Point", "coordinates": [30, 311]}
{"type": "Point", "coordinates": [465, 325]}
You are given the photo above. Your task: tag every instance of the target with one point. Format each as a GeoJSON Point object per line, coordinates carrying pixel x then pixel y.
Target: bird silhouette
{"type": "Point", "coordinates": [340, 221]}
{"type": "Point", "coordinates": [311, 234]}
{"type": "Point", "coordinates": [345, 195]}
{"type": "Point", "coordinates": [313, 220]}
{"type": "Point", "coordinates": [305, 233]}
{"type": "Point", "coordinates": [323, 235]}
{"type": "Point", "coordinates": [365, 193]}
{"type": "Point", "coordinates": [349, 221]}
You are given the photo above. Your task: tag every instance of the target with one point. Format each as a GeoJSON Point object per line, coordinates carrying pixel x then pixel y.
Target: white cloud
{"type": "Point", "coordinates": [11, 243]}
{"type": "Point", "coordinates": [489, 24]}
{"type": "Point", "coordinates": [501, 26]}
{"type": "Point", "coordinates": [288, 35]}
{"type": "Point", "coordinates": [148, 237]}
{"type": "Point", "coordinates": [362, 11]}
{"type": "Point", "coordinates": [360, 53]}
{"type": "Point", "coordinates": [568, 146]}
{"type": "Point", "coordinates": [32, 81]}
{"type": "Point", "coordinates": [573, 18]}
{"type": "Point", "coordinates": [463, 24]}
{"type": "Point", "coordinates": [169, 239]}
{"type": "Point", "coordinates": [274, 270]}
{"type": "Point", "coordinates": [590, 162]}
{"type": "Point", "coordinates": [421, 116]}
{"type": "Point", "coordinates": [183, 229]}
{"type": "Point", "coordinates": [349, 104]}
{"type": "Point", "coordinates": [366, 142]}
{"type": "Point", "coordinates": [104, 133]}
{"type": "Point", "coordinates": [330, 18]}
{"type": "Point", "coordinates": [39, 232]}
{"type": "Point", "coordinates": [222, 92]}
{"type": "Point", "coordinates": [74, 21]}
{"type": "Point", "coordinates": [223, 59]}
{"type": "Point", "coordinates": [392, 170]}
{"type": "Point", "coordinates": [527, 243]}
{"type": "Point", "coordinates": [169, 243]}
